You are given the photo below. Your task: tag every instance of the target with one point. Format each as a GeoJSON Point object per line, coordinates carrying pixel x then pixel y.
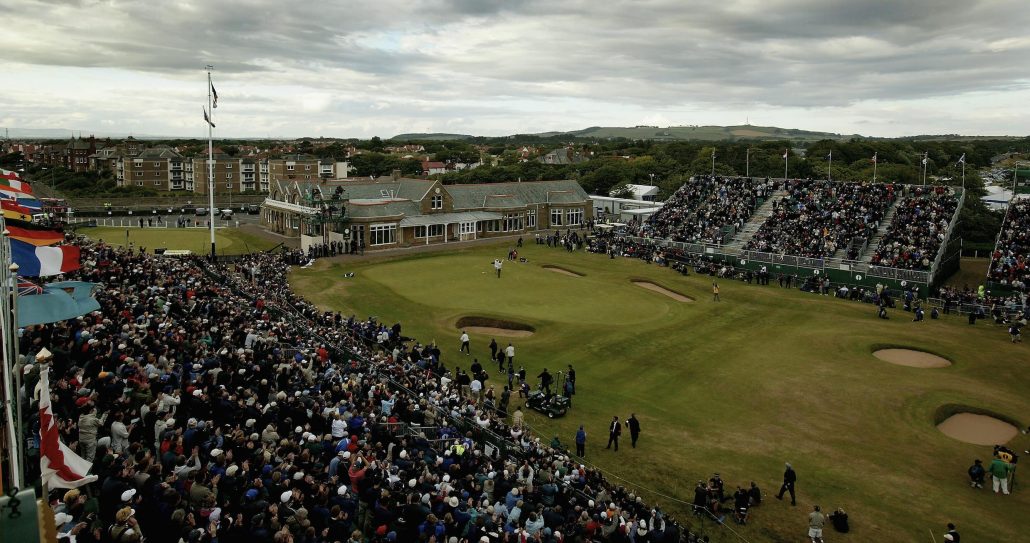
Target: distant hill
{"type": "Point", "coordinates": [707, 133]}
{"type": "Point", "coordinates": [430, 137]}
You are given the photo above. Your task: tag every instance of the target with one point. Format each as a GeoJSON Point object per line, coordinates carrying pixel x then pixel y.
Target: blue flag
{"type": "Point", "coordinates": [59, 301]}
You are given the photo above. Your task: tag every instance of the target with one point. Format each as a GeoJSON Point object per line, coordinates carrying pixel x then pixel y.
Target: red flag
{"type": "Point", "coordinates": [59, 466]}
{"type": "Point", "coordinates": [36, 236]}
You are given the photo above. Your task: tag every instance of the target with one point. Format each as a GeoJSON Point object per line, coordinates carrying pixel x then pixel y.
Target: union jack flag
{"type": "Point", "coordinates": [28, 288]}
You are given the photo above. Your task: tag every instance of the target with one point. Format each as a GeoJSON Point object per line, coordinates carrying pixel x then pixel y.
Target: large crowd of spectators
{"type": "Point", "coordinates": [700, 210]}
{"type": "Point", "coordinates": [216, 405]}
{"type": "Point", "coordinates": [816, 218]}
{"type": "Point", "coordinates": [1009, 263]}
{"type": "Point", "coordinates": [918, 229]}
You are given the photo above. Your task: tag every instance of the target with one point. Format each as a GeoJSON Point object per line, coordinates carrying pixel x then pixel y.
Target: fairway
{"type": "Point", "coordinates": [740, 386]}
{"type": "Point", "coordinates": [229, 241]}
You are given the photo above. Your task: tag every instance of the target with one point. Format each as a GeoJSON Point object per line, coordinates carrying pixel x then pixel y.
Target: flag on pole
{"type": "Point", "coordinates": [829, 156]}
{"type": "Point", "coordinates": [962, 159]}
{"type": "Point", "coordinates": [57, 302]}
{"type": "Point", "coordinates": [28, 288]}
{"type": "Point", "coordinates": [8, 174]}
{"type": "Point", "coordinates": [36, 261]}
{"type": "Point", "coordinates": [926, 159]}
{"type": "Point", "coordinates": [874, 158]}
{"type": "Point", "coordinates": [12, 211]}
{"type": "Point", "coordinates": [208, 119]}
{"type": "Point", "coordinates": [785, 151]}
{"type": "Point", "coordinates": [15, 185]}
{"type": "Point", "coordinates": [31, 203]}
{"type": "Point", "coordinates": [59, 467]}
{"type": "Point", "coordinates": [214, 94]}
{"type": "Point", "coordinates": [34, 235]}
{"type": "Point", "coordinates": [12, 184]}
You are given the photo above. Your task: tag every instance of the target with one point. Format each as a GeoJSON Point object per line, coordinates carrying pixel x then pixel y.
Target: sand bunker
{"type": "Point", "coordinates": [977, 429]}
{"type": "Point", "coordinates": [662, 290]}
{"type": "Point", "coordinates": [562, 271]}
{"type": "Point", "coordinates": [489, 326]}
{"type": "Point", "coordinates": [911, 358]}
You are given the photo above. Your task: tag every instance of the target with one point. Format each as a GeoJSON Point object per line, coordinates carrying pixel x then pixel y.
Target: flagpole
{"type": "Point", "coordinates": [829, 168]}
{"type": "Point", "coordinates": [925, 156]}
{"type": "Point", "coordinates": [713, 162]}
{"type": "Point", "coordinates": [963, 173]}
{"type": "Point", "coordinates": [786, 155]}
{"type": "Point", "coordinates": [747, 163]}
{"type": "Point", "coordinates": [210, 163]}
{"type": "Point", "coordinates": [874, 167]}
{"type": "Point", "coordinates": [10, 398]}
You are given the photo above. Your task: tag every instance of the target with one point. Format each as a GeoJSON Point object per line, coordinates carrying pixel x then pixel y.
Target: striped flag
{"type": "Point", "coordinates": [28, 288]}
{"type": "Point", "coordinates": [36, 261]}
{"type": "Point", "coordinates": [208, 119]}
{"type": "Point", "coordinates": [15, 185]}
{"type": "Point", "coordinates": [13, 211]}
{"type": "Point", "coordinates": [214, 93]}
{"type": "Point", "coordinates": [59, 466]}
{"type": "Point", "coordinates": [34, 235]}
{"type": "Point", "coordinates": [962, 159]}
{"type": "Point", "coordinates": [8, 174]}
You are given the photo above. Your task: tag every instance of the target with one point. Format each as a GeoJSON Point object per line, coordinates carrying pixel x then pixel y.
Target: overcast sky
{"type": "Point", "coordinates": [359, 69]}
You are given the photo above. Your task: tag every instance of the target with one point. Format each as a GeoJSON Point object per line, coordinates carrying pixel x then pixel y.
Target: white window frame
{"type": "Point", "coordinates": [228, 165]}
{"type": "Point", "coordinates": [228, 185]}
{"type": "Point", "coordinates": [531, 218]}
{"type": "Point", "coordinates": [139, 174]}
{"type": "Point", "coordinates": [228, 175]}
{"type": "Point", "coordinates": [468, 228]}
{"type": "Point", "coordinates": [435, 231]}
{"type": "Point", "coordinates": [557, 213]}
{"type": "Point", "coordinates": [390, 230]}
{"type": "Point", "coordinates": [574, 217]}
{"type": "Point", "coordinates": [436, 202]}
{"type": "Point", "coordinates": [290, 167]}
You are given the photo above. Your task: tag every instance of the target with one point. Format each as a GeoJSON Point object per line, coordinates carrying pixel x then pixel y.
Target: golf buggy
{"type": "Point", "coordinates": [555, 405]}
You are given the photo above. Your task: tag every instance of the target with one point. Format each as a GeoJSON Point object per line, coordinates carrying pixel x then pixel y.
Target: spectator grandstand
{"type": "Point", "coordinates": [1009, 262]}
{"type": "Point", "coordinates": [816, 218]}
{"type": "Point", "coordinates": [700, 210]}
{"type": "Point", "coordinates": [217, 405]}
{"type": "Point", "coordinates": [918, 229]}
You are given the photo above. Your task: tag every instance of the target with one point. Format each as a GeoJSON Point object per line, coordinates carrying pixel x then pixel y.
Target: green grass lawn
{"type": "Point", "coordinates": [228, 241]}
{"type": "Point", "coordinates": [738, 387]}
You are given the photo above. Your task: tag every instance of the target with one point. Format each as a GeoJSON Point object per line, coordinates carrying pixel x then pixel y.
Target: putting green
{"type": "Point", "coordinates": [766, 376]}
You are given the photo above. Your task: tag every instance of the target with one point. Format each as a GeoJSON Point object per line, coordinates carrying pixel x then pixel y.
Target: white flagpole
{"type": "Point", "coordinates": [11, 394]}
{"type": "Point", "coordinates": [786, 157]}
{"type": "Point", "coordinates": [210, 164]}
{"type": "Point", "coordinates": [829, 168]}
{"type": "Point", "coordinates": [875, 161]}
{"type": "Point", "coordinates": [747, 163]}
{"type": "Point", "coordinates": [963, 175]}
{"type": "Point", "coordinates": [713, 162]}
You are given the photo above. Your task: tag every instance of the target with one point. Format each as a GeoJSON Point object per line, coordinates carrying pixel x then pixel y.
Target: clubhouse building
{"type": "Point", "coordinates": [394, 211]}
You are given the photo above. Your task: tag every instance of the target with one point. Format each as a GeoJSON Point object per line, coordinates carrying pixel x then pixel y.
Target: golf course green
{"type": "Point", "coordinates": [739, 386]}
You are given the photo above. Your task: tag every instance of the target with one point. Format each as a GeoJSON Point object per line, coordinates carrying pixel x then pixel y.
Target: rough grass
{"type": "Point", "coordinates": [740, 386]}
{"type": "Point", "coordinates": [228, 241]}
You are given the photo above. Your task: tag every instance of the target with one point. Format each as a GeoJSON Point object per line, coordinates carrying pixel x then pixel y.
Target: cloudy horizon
{"type": "Point", "coordinates": [522, 66]}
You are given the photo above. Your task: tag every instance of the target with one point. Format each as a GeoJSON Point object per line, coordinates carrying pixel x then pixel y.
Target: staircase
{"type": "Point", "coordinates": [763, 212]}
{"type": "Point", "coordinates": [874, 242]}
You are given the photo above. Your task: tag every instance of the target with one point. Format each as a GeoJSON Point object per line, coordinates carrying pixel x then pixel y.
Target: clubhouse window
{"type": "Point", "coordinates": [437, 202]}
{"type": "Point", "coordinates": [531, 219]}
{"type": "Point", "coordinates": [435, 230]}
{"type": "Point", "coordinates": [382, 234]}
{"type": "Point", "coordinates": [556, 217]}
{"type": "Point", "coordinates": [575, 217]}
{"type": "Point", "coordinates": [512, 222]}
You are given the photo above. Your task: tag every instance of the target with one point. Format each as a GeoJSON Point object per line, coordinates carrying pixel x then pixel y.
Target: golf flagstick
{"type": "Point", "coordinates": [931, 535]}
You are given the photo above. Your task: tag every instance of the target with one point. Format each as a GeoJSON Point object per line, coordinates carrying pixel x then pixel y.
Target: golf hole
{"type": "Point", "coordinates": [976, 426]}
{"type": "Point", "coordinates": [490, 326]}
{"type": "Point", "coordinates": [563, 271]}
{"type": "Point", "coordinates": [662, 290]}
{"type": "Point", "coordinates": [911, 358]}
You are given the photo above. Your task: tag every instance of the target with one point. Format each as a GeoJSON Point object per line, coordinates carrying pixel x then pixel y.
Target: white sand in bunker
{"type": "Point", "coordinates": [562, 271]}
{"type": "Point", "coordinates": [662, 290]}
{"type": "Point", "coordinates": [911, 358]}
{"type": "Point", "coordinates": [489, 331]}
{"type": "Point", "coordinates": [977, 429]}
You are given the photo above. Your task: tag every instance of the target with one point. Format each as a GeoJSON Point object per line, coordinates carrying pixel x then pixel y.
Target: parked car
{"type": "Point", "coordinates": [201, 211]}
{"type": "Point", "coordinates": [253, 209]}
{"type": "Point", "coordinates": [225, 214]}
